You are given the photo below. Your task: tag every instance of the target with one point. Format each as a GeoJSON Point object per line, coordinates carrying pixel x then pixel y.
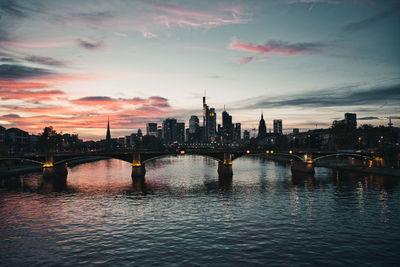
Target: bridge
{"type": "Point", "coordinates": [302, 161]}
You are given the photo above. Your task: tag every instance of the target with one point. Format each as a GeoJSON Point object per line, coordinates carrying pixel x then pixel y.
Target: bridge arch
{"type": "Point", "coordinates": [23, 159]}
{"type": "Point", "coordinates": [176, 154]}
{"type": "Point", "coordinates": [87, 157]}
{"type": "Point", "coordinates": [342, 155]}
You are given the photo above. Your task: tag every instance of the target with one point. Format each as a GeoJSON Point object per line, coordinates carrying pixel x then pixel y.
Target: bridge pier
{"type": "Point", "coordinates": [225, 167]}
{"type": "Point", "coordinates": [138, 168]}
{"type": "Point", "coordinates": [55, 172]}
{"type": "Point", "coordinates": [301, 166]}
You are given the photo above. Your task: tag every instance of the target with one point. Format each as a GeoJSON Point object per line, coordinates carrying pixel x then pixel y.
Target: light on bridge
{"type": "Point", "coordinates": [247, 151]}
{"type": "Point", "coordinates": [182, 152]}
{"type": "Point", "coordinates": [290, 151]}
{"type": "Point", "coordinates": [48, 165]}
{"type": "Point", "coordinates": [272, 152]}
{"type": "Point", "coordinates": [267, 151]}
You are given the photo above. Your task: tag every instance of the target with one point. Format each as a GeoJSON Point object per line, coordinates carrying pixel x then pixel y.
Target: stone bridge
{"type": "Point", "coordinates": [303, 161]}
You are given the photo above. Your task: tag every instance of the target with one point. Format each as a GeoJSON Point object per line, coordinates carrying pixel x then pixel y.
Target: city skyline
{"type": "Point", "coordinates": [72, 65]}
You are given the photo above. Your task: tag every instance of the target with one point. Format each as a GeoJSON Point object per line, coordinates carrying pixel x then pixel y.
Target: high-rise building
{"type": "Point", "coordinates": [209, 122]}
{"type": "Point", "coordinates": [180, 132]}
{"type": "Point", "coordinates": [227, 127]}
{"type": "Point", "coordinates": [246, 135]}
{"type": "Point", "coordinates": [193, 133]}
{"type": "Point", "coordinates": [350, 118]}
{"type": "Point", "coordinates": [277, 127]}
{"type": "Point", "coordinates": [262, 129]}
{"type": "Point", "coordinates": [237, 132]}
{"type": "Point", "coordinates": [296, 130]}
{"type": "Point", "coordinates": [169, 132]}
{"type": "Point", "coordinates": [151, 129]}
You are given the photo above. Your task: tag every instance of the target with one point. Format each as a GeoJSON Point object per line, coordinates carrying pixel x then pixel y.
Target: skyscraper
{"type": "Point", "coordinates": [227, 127]}
{"type": "Point", "coordinates": [209, 122]}
{"type": "Point", "coordinates": [262, 129]}
{"type": "Point", "coordinates": [151, 129]}
{"type": "Point", "coordinates": [277, 127]}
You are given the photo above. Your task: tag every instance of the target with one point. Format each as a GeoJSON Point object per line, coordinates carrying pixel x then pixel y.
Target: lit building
{"type": "Point", "coordinates": [277, 127]}
{"type": "Point", "coordinates": [209, 122]}
{"type": "Point", "coordinates": [151, 129]}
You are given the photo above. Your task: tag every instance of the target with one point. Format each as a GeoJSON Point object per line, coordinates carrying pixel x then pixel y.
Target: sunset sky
{"type": "Point", "coordinates": [71, 64]}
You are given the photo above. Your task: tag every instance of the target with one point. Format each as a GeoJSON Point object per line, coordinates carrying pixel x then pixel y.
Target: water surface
{"type": "Point", "coordinates": [183, 214]}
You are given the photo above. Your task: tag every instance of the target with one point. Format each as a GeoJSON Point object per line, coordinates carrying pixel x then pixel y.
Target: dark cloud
{"type": "Point", "coordinates": [371, 21]}
{"type": "Point", "coordinates": [11, 115]}
{"type": "Point", "coordinates": [336, 97]}
{"type": "Point", "coordinates": [368, 118]}
{"type": "Point", "coordinates": [12, 8]}
{"type": "Point", "coordinates": [9, 71]}
{"type": "Point", "coordinates": [45, 60]}
{"type": "Point", "coordinates": [7, 59]}
{"type": "Point", "coordinates": [90, 45]}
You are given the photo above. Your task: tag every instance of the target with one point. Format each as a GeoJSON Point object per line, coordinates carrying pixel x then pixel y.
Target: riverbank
{"type": "Point", "coordinates": [344, 167]}
{"type": "Point", "coordinates": [38, 168]}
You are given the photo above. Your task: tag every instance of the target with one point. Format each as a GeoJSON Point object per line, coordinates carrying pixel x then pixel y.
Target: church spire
{"type": "Point", "coordinates": [108, 136]}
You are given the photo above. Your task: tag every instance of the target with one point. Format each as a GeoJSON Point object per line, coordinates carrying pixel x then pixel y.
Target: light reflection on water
{"type": "Point", "coordinates": [183, 214]}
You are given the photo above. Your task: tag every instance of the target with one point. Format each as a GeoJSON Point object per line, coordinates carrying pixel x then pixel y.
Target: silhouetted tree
{"type": "Point", "coordinates": [343, 135]}
{"type": "Point", "coordinates": [50, 140]}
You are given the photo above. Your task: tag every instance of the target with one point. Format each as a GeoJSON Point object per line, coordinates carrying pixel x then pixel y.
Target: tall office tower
{"type": "Point", "coordinates": [205, 120]}
{"type": "Point", "coordinates": [209, 123]}
{"type": "Point", "coordinates": [151, 129]}
{"type": "Point", "coordinates": [193, 133]}
{"type": "Point", "coordinates": [350, 118]}
{"type": "Point", "coordinates": [193, 124]}
{"type": "Point", "coordinates": [262, 129]}
{"type": "Point", "coordinates": [237, 133]}
{"type": "Point", "coordinates": [212, 125]}
{"type": "Point", "coordinates": [169, 132]}
{"type": "Point", "coordinates": [278, 127]}
{"type": "Point", "coordinates": [227, 127]}
{"type": "Point", "coordinates": [246, 135]}
{"type": "Point", "coordinates": [180, 132]}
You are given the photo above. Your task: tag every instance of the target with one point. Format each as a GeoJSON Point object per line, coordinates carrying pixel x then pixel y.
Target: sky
{"type": "Point", "coordinates": [74, 64]}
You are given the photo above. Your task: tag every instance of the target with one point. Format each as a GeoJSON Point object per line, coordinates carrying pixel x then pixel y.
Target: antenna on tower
{"type": "Point", "coordinates": [224, 107]}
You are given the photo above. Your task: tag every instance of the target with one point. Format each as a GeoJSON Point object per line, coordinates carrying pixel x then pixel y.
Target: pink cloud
{"type": "Point", "coordinates": [244, 60]}
{"type": "Point", "coordinates": [276, 47]}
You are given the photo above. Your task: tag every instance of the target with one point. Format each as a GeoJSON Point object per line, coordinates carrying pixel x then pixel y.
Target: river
{"type": "Point", "coordinates": [183, 214]}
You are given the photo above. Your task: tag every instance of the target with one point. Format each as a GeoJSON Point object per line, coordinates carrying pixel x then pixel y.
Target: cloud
{"type": "Point", "coordinates": [371, 21]}
{"type": "Point", "coordinates": [10, 71]}
{"type": "Point", "coordinates": [336, 97]}
{"type": "Point", "coordinates": [244, 60]}
{"type": "Point", "coordinates": [90, 44]}
{"type": "Point", "coordinates": [7, 59]}
{"type": "Point", "coordinates": [149, 35]}
{"type": "Point", "coordinates": [277, 47]}
{"type": "Point", "coordinates": [121, 103]}
{"type": "Point", "coordinates": [11, 115]}
{"type": "Point", "coordinates": [45, 60]}
{"type": "Point", "coordinates": [368, 118]}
